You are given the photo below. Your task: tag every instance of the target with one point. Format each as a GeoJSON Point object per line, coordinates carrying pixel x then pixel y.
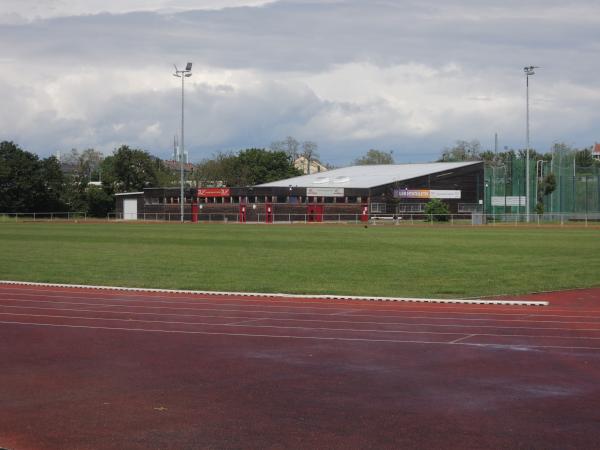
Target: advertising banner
{"type": "Point", "coordinates": [325, 192]}
{"type": "Point", "coordinates": [511, 200]}
{"type": "Point", "coordinates": [436, 193]}
{"type": "Point", "coordinates": [427, 193]}
{"type": "Point", "coordinates": [213, 192]}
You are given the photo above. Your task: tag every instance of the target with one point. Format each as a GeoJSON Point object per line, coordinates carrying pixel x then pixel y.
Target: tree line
{"type": "Point", "coordinates": [87, 181]}
{"type": "Point", "coordinates": [472, 151]}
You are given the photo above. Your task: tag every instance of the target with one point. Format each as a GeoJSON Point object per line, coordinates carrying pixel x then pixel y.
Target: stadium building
{"type": "Point", "coordinates": [349, 193]}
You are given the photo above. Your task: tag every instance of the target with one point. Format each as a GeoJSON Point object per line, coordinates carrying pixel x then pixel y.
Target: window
{"type": "Point", "coordinates": [378, 207]}
{"type": "Point", "coordinates": [410, 207]}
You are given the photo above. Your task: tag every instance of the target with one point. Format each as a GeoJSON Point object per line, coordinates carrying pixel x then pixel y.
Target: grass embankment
{"type": "Point", "coordinates": [386, 261]}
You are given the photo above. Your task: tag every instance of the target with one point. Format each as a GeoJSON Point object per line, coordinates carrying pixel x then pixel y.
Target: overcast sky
{"type": "Point", "coordinates": [411, 76]}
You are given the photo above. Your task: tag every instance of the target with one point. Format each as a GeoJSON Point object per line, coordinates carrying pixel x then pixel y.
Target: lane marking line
{"type": "Point", "coordinates": [132, 296]}
{"type": "Point", "coordinates": [208, 302]}
{"type": "Point", "coordinates": [244, 324]}
{"type": "Point", "coordinates": [233, 310]}
{"type": "Point", "coordinates": [281, 312]}
{"type": "Point", "coordinates": [318, 338]}
{"type": "Point", "coordinates": [456, 341]}
{"type": "Point", "coordinates": [261, 294]}
{"type": "Point", "coordinates": [282, 319]}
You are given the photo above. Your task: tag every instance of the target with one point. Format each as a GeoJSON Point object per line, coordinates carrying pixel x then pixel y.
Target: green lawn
{"type": "Point", "coordinates": [342, 259]}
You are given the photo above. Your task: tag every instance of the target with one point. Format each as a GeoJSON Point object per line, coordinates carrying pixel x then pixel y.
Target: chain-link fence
{"type": "Point", "coordinates": [576, 188]}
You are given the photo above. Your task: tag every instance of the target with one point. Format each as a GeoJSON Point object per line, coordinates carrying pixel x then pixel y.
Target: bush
{"type": "Point", "coordinates": [438, 209]}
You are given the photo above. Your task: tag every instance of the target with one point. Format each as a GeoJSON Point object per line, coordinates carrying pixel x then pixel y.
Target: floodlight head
{"type": "Point", "coordinates": [188, 67]}
{"type": "Point", "coordinates": [188, 74]}
{"type": "Point", "coordinates": [529, 70]}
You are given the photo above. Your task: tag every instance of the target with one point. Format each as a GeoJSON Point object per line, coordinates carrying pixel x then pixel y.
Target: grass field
{"type": "Point", "coordinates": [382, 260]}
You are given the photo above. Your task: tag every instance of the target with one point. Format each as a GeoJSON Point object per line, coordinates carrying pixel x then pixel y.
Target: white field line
{"type": "Point", "coordinates": [260, 294]}
{"type": "Point", "coordinates": [246, 324]}
{"type": "Point", "coordinates": [133, 296]}
{"type": "Point", "coordinates": [234, 310]}
{"type": "Point", "coordinates": [317, 338]}
{"type": "Point", "coordinates": [243, 319]}
{"type": "Point", "coordinates": [174, 301]}
{"type": "Point", "coordinates": [340, 309]}
{"type": "Point", "coordinates": [280, 303]}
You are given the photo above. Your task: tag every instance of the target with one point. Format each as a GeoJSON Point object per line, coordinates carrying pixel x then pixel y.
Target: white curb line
{"type": "Point", "coordinates": [259, 294]}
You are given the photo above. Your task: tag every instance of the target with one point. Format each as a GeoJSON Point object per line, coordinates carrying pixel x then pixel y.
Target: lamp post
{"type": "Point", "coordinates": [529, 71]}
{"type": "Point", "coordinates": [183, 74]}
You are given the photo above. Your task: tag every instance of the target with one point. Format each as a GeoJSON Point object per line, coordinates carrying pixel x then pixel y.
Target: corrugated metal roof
{"type": "Point", "coordinates": [367, 176]}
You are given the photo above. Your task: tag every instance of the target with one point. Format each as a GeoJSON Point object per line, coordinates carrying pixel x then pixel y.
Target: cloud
{"type": "Point", "coordinates": [352, 75]}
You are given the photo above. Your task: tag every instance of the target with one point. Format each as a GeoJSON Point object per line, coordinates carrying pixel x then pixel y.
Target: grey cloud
{"type": "Point", "coordinates": [490, 42]}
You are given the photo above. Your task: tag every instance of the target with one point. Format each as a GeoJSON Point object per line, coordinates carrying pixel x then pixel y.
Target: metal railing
{"type": "Point", "coordinates": [42, 216]}
{"type": "Point", "coordinates": [473, 219]}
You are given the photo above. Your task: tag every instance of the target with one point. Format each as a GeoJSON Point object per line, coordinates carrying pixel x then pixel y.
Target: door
{"type": "Point", "coordinates": [130, 208]}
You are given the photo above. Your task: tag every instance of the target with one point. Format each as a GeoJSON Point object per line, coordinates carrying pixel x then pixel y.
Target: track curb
{"type": "Point", "coordinates": [271, 295]}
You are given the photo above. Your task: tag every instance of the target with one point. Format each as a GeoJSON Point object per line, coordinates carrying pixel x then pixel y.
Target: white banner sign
{"type": "Point", "coordinates": [426, 193]}
{"type": "Point", "coordinates": [325, 192]}
{"type": "Point", "coordinates": [436, 193]}
{"type": "Point", "coordinates": [512, 200]}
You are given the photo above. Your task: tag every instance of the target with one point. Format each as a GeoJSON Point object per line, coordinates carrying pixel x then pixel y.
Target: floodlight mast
{"type": "Point", "coordinates": [529, 71]}
{"type": "Point", "coordinates": [183, 74]}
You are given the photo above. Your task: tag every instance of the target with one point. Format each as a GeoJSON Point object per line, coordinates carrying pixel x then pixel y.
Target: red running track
{"type": "Point", "coordinates": [92, 369]}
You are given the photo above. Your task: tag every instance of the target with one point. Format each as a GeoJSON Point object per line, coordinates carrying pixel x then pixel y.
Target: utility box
{"type": "Point", "coordinates": [478, 218]}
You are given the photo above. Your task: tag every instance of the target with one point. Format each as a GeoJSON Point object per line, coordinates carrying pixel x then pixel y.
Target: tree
{"type": "Point", "coordinates": [98, 202]}
{"type": "Point", "coordinates": [256, 166]}
{"type": "Point", "coordinates": [132, 170]}
{"type": "Point", "coordinates": [289, 146]}
{"type": "Point", "coordinates": [248, 167]}
{"type": "Point", "coordinates": [437, 210]}
{"type": "Point", "coordinates": [584, 158]}
{"type": "Point", "coordinates": [462, 151]}
{"type": "Point", "coordinates": [374, 157]}
{"type": "Point", "coordinates": [545, 187]}
{"type": "Point", "coordinates": [28, 184]}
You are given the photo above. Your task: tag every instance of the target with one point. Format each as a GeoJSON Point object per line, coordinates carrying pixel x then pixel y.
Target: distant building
{"type": "Point", "coordinates": [315, 166]}
{"type": "Point", "coordinates": [175, 166]}
{"type": "Point", "coordinates": [596, 151]}
{"type": "Point", "coordinates": [351, 193]}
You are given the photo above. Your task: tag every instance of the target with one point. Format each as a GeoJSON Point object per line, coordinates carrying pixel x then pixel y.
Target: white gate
{"type": "Point", "coordinates": [130, 208]}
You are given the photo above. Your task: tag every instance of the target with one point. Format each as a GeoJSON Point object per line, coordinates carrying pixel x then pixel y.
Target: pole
{"type": "Point", "coordinates": [527, 157]}
{"type": "Point", "coordinates": [181, 194]}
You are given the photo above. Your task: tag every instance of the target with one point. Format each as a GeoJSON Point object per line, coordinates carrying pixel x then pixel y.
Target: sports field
{"type": "Point", "coordinates": [426, 261]}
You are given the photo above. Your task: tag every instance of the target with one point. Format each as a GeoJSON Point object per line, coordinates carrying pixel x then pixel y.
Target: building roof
{"type": "Point", "coordinates": [368, 176]}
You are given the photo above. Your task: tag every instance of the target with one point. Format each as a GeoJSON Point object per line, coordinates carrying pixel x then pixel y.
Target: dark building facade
{"type": "Point", "coordinates": [342, 194]}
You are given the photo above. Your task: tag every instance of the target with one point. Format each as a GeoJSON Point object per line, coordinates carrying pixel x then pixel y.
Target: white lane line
{"type": "Point", "coordinates": [343, 313]}
{"type": "Point", "coordinates": [246, 324]}
{"type": "Point", "coordinates": [265, 294]}
{"type": "Point", "coordinates": [359, 306]}
{"type": "Point", "coordinates": [238, 325]}
{"type": "Point", "coordinates": [208, 302]}
{"type": "Point", "coordinates": [282, 319]}
{"type": "Point", "coordinates": [278, 312]}
{"type": "Point", "coordinates": [176, 301]}
{"type": "Point", "coordinates": [231, 324]}
{"type": "Point", "coordinates": [316, 338]}
{"type": "Point", "coordinates": [231, 310]}
{"type": "Point", "coordinates": [456, 341]}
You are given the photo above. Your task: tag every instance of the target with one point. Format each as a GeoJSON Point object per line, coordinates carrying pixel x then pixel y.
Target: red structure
{"type": "Point", "coordinates": [195, 209]}
{"type": "Point", "coordinates": [269, 213]}
{"type": "Point", "coordinates": [315, 213]}
{"type": "Point", "coordinates": [364, 215]}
